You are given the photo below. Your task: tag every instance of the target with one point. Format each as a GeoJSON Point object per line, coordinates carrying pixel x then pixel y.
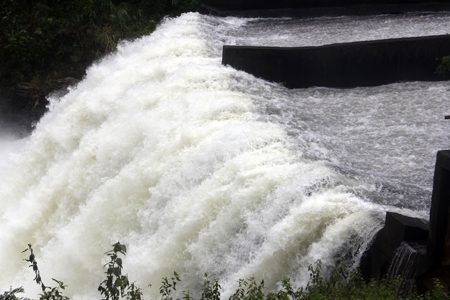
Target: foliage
{"type": "Point", "coordinates": [211, 289]}
{"type": "Point", "coordinates": [48, 293]}
{"type": "Point", "coordinates": [338, 287]}
{"type": "Point", "coordinates": [444, 67]}
{"type": "Point", "coordinates": [11, 294]}
{"type": "Point", "coordinates": [116, 286]}
{"type": "Point", "coordinates": [168, 286]}
{"type": "Point", "coordinates": [249, 290]}
{"type": "Point", "coordinates": [56, 38]}
{"type": "Point", "coordinates": [342, 287]}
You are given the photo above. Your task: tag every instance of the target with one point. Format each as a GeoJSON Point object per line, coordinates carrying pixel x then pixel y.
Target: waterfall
{"type": "Point", "coordinates": [405, 264]}
{"type": "Point", "coordinates": [199, 168]}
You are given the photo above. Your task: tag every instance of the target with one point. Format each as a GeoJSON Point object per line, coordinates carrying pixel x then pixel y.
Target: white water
{"type": "Point", "coordinates": [199, 168]}
{"type": "Point", "coordinates": [405, 264]}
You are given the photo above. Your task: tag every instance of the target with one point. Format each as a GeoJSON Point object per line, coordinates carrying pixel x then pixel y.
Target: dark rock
{"type": "Point", "coordinates": [63, 83]}
{"type": "Point", "coordinates": [27, 96]}
{"type": "Point", "coordinates": [26, 103]}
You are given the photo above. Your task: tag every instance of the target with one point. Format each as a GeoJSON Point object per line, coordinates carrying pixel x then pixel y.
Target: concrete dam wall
{"type": "Point", "coordinates": [347, 65]}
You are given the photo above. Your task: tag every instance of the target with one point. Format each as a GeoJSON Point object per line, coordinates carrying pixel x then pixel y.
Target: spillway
{"type": "Point", "coordinates": [199, 168]}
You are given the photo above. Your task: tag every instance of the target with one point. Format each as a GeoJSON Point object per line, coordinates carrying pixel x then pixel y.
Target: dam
{"type": "Point", "coordinates": [201, 168]}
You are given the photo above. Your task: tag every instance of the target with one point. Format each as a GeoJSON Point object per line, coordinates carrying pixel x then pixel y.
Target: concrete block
{"type": "Point", "coordinates": [346, 65]}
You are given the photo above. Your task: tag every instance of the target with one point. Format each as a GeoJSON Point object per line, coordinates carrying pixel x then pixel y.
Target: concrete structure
{"type": "Point", "coordinates": [438, 251]}
{"type": "Point", "coordinates": [430, 240]}
{"type": "Point", "coordinates": [347, 65]}
{"type": "Point", "coordinates": [397, 229]}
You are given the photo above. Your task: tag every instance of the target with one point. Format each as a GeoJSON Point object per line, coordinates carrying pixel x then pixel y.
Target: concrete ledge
{"type": "Point", "coordinates": [347, 65]}
{"type": "Point", "coordinates": [397, 229]}
{"type": "Point", "coordinates": [431, 240]}
{"type": "Point", "coordinates": [438, 251]}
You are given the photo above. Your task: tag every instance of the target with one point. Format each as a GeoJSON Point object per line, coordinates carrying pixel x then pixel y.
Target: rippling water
{"type": "Point", "coordinates": [199, 168]}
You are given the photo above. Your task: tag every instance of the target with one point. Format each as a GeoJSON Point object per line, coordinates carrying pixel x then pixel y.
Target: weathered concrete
{"type": "Point", "coordinates": [438, 246]}
{"type": "Point", "coordinates": [438, 251]}
{"type": "Point", "coordinates": [347, 65]}
{"type": "Point", "coordinates": [432, 241]}
{"type": "Point", "coordinates": [397, 229]}
{"type": "Point", "coordinates": [312, 8]}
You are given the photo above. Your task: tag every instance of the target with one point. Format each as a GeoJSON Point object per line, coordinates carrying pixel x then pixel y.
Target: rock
{"type": "Point", "coordinates": [63, 83]}
{"type": "Point", "coordinates": [27, 103]}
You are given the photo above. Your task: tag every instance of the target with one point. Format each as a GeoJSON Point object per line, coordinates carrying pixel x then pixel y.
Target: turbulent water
{"type": "Point", "coordinates": [199, 168]}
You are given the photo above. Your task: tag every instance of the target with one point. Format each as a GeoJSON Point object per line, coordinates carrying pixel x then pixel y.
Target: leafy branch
{"type": "Point", "coordinates": [116, 285]}
{"type": "Point", "coordinates": [48, 293]}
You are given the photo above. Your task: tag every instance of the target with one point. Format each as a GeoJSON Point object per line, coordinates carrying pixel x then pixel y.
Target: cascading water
{"type": "Point", "coordinates": [405, 264]}
{"type": "Point", "coordinates": [199, 168]}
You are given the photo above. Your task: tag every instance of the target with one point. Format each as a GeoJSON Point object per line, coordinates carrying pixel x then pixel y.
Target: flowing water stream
{"type": "Point", "coordinates": [199, 168]}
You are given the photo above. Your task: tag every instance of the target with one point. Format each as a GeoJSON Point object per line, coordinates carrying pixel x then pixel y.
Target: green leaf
{"type": "Point", "coordinates": [119, 262]}
{"type": "Point", "coordinates": [60, 283]}
{"type": "Point", "coordinates": [116, 271]}
{"type": "Point", "coordinates": [118, 282]}
{"type": "Point", "coordinates": [117, 247]}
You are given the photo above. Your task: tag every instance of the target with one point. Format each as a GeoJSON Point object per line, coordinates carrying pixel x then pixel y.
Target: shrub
{"type": "Point", "coordinates": [337, 287]}
{"type": "Point", "coordinates": [444, 67]}
{"type": "Point", "coordinates": [49, 37]}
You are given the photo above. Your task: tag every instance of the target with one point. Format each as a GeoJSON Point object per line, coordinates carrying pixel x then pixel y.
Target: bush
{"type": "Point", "coordinates": [54, 38]}
{"type": "Point", "coordinates": [444, 67]}
{"type": "Point", "coordinates": [337, 287]}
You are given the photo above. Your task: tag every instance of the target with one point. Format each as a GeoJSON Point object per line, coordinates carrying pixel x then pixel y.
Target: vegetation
{"type": "Point", "coordinates": [338, 286]}
{"type": "Point", "coordinates": [444, 67]}
{"type": "Point", "coordinates": [42, 40]}
{"type": "Point", "coordinates": [116, 285]}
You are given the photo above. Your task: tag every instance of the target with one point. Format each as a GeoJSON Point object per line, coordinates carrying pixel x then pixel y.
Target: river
{"type": "Point", "coordinates": [199, 168]}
